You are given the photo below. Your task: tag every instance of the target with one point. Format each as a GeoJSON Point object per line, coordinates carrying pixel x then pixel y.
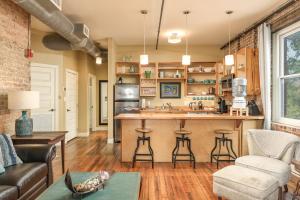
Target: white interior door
{"type": "Point", "coordinates": [92, 102]}
{"type": "Point", "coordinates": [71, 104]}
{"type": "Point", "coordinates": [103, 106]}
{"type": "Point", "coordinates": [44, 79]}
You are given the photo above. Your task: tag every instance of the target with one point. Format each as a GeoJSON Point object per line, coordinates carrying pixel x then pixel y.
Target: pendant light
{"type": "Point", "coordinates": [144, 57]}
{"type": "Point", "coordinates": [186, 59]}
{"type": "Point", "coordinates": [98, 60]}
{"type": "Point", "coordinates": [229, 59]}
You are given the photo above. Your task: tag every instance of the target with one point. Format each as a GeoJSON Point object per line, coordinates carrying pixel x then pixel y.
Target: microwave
{"type": "Point", "coordinates": [226, 82]}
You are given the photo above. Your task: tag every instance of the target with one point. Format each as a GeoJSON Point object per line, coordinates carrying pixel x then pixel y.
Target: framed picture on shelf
{"type": "Point", "coordinates": [170, 90]}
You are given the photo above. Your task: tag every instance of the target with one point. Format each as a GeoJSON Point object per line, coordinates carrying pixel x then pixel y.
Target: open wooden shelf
{"type": "Point", "coordinates": [203, 73]}
{"type": "Point", "coordinates": [167, 79]}
{"type": "Point", "coordinates": [208, 84]}
{"type": "Point", "coordinates": [171, 68]}
{"type": "Point", "coordinates": [127, 74]}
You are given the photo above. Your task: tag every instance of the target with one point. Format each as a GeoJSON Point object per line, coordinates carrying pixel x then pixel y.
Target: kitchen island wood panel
{"type": "Point", "coordinates": [202, 126]}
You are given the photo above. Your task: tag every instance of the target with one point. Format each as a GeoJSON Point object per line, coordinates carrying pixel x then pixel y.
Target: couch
{"type": "Point", "coordinates": [28, 180]}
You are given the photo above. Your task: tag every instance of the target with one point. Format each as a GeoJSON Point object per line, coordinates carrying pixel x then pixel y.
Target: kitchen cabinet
{"type": "Point", "coordinates": [246, 66]}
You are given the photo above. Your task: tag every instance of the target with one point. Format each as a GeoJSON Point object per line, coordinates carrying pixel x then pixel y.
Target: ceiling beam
{"type": "Point", "coordinates": [159, 25]}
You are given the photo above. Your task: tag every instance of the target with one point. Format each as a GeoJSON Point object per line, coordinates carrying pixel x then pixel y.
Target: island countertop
{"type": "Point", "coordinates": [183, 116]}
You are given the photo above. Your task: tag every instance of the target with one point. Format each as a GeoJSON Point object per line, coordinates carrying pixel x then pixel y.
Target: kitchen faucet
{"type": "Point", "coordinates": [169, 106]}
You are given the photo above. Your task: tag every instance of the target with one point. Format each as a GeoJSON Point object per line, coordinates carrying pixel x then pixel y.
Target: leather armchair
{"type": "Point", "coordinates": [30, 179]}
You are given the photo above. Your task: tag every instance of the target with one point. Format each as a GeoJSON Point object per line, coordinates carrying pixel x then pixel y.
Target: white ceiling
{"type": "Point", "coordinates": [121, 20]}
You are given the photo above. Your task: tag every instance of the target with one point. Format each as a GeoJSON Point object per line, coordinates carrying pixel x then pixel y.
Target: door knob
{"type": "Point", "coordinates": [68, 110]}
{"type": "Point", "coordinates": [52, 110]}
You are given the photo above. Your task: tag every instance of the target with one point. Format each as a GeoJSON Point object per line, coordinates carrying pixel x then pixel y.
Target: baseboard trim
{"type": "Point", "coordinates": [110, 140]}
{"type": "Point", "coordinates": [101, 128]}
{"type": "Point", "coordinates": [83, 134]}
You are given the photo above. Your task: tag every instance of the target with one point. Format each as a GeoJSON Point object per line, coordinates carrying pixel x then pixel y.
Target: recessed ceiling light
{"type": "Point", "coordinates": [174, 38]}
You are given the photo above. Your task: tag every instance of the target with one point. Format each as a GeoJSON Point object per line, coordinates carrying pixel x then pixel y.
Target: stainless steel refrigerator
{"type": "Point", "coordinates": [126, 100]}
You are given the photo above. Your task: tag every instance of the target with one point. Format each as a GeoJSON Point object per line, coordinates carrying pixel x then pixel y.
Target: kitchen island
{"type": "Point", "coordinates": [202, 127]}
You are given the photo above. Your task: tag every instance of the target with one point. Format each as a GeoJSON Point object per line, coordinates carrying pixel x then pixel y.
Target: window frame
{"type": "Point", "coordinates": [278, 75]}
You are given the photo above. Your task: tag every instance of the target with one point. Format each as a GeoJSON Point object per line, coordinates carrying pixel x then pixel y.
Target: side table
{"type": "Point", "coordinates": [47, 137]}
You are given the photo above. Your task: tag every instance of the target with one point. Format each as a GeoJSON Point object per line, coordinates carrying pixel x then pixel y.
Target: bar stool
{"type": "Point", "coordinates": [222, 140]}
{"type": "Point", "coordinates": [143, 138]}
{"type": "Point", "coordinates": [182, 138]}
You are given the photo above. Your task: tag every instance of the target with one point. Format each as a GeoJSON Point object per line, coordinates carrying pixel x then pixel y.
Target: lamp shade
{"type": "Point", "coordinates": [229, 60]}
{"type": "Point", "coordinates": [186, 60]}
{"type": "Point", "coordinates": [23, 100]}
{"type": "Point", "coordinates": [144, 59]}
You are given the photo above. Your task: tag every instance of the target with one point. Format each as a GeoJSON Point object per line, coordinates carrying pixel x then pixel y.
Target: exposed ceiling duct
{"type": "Point", "coordinates": [48, 11]}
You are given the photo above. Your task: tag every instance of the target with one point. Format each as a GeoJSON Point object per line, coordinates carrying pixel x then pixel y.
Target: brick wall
{"type": "Point", "coordinates": [14, 68]}
{"type": "Point", "coordinates": [284, 18]}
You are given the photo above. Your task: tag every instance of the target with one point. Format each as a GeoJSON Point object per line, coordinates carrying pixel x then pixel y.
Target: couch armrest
{"type": "Point", "coordinates": [36, 152]}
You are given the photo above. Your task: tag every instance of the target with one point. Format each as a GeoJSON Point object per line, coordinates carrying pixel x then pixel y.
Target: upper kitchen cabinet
{"type": "Point", "coordinates": [246, 66]}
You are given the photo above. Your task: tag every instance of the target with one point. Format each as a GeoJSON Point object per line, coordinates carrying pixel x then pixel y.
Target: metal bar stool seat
{"type": "Point", "coordinates": [143, 138]}
{"type": "Point", "coordinates": [222, 140]}
{"type": "Point", "coordinates": [182, 139]}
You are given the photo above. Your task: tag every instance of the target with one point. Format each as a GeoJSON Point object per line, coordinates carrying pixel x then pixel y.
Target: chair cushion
{"type": "Point", "coordinates": [280, 170]}
{"type": "Point", "coordinates": [235, 181]}
{"type": "Point", "coordinates": [24, 176]}
{"type": "Point", "coordinates": [8, 192]}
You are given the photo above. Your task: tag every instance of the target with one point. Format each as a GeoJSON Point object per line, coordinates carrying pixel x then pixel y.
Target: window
{"type": "Point", "coordinates": [286, 75]}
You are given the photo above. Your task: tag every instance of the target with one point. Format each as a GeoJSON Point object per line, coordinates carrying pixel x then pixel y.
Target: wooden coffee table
{"type": "Point", "coordinates": [122, 185]}
{"type": "Point", "coordinates": [49, 137]}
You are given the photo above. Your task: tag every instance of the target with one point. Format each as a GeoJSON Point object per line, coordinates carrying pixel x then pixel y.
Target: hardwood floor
{"type": "Point", "coordinates": [161, 183]}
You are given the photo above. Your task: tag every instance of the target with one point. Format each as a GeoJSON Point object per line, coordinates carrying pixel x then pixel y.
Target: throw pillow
{"type": "Point", "coordinates": [2, 169]}
{"type": "Point", "coordinates": [9, 155]}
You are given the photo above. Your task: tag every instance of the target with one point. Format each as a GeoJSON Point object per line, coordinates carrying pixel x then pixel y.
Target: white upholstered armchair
{"type": "Point", "coordinates": [270, 152]}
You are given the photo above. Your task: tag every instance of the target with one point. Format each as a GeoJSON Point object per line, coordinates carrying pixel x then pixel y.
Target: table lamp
{"type": "Point", "coordinates": [24, 101]}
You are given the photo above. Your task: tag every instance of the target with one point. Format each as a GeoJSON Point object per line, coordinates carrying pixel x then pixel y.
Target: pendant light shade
{"type": "Point", "coordinates": [144, 60]}
{"type": "Point", "coordinates": [98, 60]}
{"type": "Point", "coordinates": [229, 58]}
{"type": "Point", "coordinates": [186, 59]}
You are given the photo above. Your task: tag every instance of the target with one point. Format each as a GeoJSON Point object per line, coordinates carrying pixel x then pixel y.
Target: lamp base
{"type": "Point", "coordinates": [24, 125]}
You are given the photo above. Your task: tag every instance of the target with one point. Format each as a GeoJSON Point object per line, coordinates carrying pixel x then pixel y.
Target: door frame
{"type": "Point", "coordinates": [56, 88]}
{"type": "Point", "coordinates": [94, 118]}
{"type": "Point", "coordinates": [100, 92]}
{"type": "Point", "coordinates": [66, 113]}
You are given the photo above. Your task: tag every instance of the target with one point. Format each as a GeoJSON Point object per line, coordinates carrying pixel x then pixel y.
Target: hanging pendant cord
{"type": "Point", "coordinates": [186, 39]}
{"type": "Point", "coordinates": [229, 28]}
{"type": "Point", "coordinates": [144, 33]}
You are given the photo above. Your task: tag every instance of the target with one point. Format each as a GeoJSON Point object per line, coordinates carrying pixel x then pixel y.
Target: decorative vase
{"type": "Point", "coordinates": [147, 74]}
{"type": "Point", "coordinates": [24, 125]}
